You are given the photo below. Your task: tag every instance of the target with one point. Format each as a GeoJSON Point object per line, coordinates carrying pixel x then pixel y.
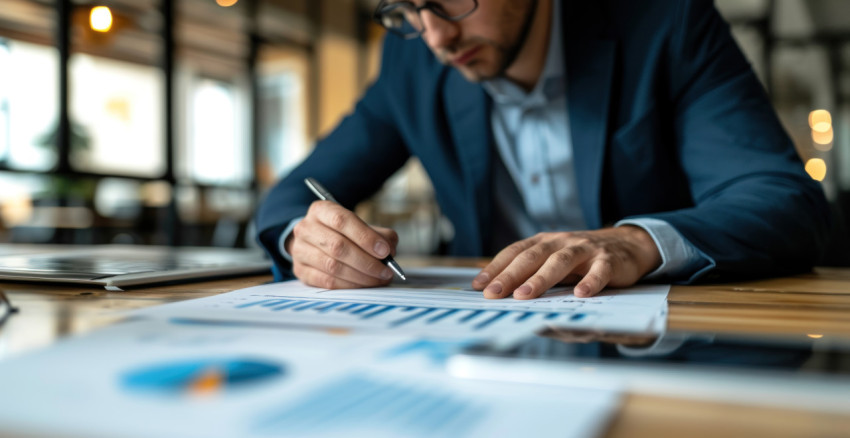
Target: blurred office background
{"type": "Point", "coordinates": [165, 121]}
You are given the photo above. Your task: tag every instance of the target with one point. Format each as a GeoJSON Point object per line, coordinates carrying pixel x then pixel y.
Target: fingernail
{"type": "Point", "coordinates": [523, 290]}
{"type": "Point", "coordinates": [580, 291]}
{"type": "Point", "coordinates": [494, 289]}
{"type": "Point", "coordinates": [381, 249]}
{"type": "Point", "coordinates": [482, 278]}
{"type": "Point", "coordinates": [386, 274]}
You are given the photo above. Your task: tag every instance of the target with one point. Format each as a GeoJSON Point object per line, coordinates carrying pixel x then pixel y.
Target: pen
{"type": "Point", "coordinates": [323, 194]}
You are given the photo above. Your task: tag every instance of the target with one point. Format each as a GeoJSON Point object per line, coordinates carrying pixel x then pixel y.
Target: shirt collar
{"type": "Point", "coordinates": [552, 82]}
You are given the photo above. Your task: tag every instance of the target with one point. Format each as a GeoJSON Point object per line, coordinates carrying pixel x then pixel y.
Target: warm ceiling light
{"type": "Point", "coordinates": [226, 3]}
{"type": "Point", "coordinates": [822, 127]}
{"type": "Point", "coordinates": [100, 19]}
{"type": "Point", "coordinates": [814, 336]}
{"type": "Point", "coordinates": [816, 168]}
{"type": "Point", "coordinates": [820, 120]}
{"type": "Point", "coordinates": [822, 137]}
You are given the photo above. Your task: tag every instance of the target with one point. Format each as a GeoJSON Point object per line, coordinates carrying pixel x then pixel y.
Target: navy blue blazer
{"type": "Point", "coordinates": [668, 121]}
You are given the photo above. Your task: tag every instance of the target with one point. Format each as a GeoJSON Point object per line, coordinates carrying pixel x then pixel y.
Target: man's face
{"type": "Point", "coordinates": [483, 45]}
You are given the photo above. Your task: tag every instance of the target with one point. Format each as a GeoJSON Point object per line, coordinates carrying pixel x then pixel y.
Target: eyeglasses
{"type": "Point", "coordinates": [6, 308]}
{"type": "Point", "coordinates": [404, 18]}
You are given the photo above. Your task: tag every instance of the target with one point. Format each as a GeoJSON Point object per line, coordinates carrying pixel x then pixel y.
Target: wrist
{"type": "Point", "coordinates": [646, 254]}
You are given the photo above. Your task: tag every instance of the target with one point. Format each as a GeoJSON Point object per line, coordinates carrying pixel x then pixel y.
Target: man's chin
{"type": "Point", "coordinates": [473, 74]}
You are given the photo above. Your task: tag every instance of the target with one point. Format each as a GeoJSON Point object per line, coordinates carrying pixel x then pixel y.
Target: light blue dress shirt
{"type": "Point", "coordinates": [535, 182]}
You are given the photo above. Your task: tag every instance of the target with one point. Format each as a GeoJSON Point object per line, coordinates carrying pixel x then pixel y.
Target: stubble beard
{"type": "Point", "coordinates": [506, 52]}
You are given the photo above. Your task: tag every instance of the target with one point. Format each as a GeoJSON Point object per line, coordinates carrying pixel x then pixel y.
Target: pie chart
{"type": "Point", "coordinates": [201, 376]}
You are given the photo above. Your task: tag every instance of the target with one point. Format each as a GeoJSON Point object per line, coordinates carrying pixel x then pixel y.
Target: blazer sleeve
{"type": "Point", "coordinates": [352, 162]}
{"type": "Point", "coordinates": [756, 210]}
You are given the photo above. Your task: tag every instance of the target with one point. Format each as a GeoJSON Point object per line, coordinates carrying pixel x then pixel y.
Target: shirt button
{"type": "Point", "coordinates": [535, 178]}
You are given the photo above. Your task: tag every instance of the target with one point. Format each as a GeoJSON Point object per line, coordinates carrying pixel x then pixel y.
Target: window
{"type": "Point", "coordinates": [28, 105]}
{"type": "Point", "coordinates": [116, 117]}
{"type": "Point", "coordinates": [4, 103]}
{"type": "Point", "coordinates": [283, 107]}
{"type": "Point", "coordinates": [218, 150]}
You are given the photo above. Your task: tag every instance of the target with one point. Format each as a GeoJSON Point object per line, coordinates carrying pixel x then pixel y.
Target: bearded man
{"type": "Point", "coordinates": [589, 142]}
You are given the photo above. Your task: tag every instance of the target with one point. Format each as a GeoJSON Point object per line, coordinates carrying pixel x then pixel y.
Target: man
{"type": "Point", "coordinates": [640, 121]}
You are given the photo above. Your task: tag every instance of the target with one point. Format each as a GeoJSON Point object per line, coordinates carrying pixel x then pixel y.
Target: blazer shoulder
{"type": "Point", "coordinates": [648, 19]}
{"type": "Point", "coordinates": [406, 59]}
{"type": "Point", "coordinates": [654, 10]}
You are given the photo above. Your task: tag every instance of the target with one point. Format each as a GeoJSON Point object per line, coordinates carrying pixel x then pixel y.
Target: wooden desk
{"type": "Point", "coordinates": [816, 304]}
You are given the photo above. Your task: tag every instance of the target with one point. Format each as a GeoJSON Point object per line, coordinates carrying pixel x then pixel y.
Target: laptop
{"type": "Point", "coordinates": [118, 266]}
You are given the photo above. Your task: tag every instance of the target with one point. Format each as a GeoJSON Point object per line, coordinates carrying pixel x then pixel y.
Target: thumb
{"type": "Point", "coordinates": [390, 235]}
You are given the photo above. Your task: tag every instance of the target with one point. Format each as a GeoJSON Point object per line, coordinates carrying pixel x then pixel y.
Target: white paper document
{"type": "Point", "coordinates": [433, 301]}
{"type": "Point", "coordinates": [157, 379]}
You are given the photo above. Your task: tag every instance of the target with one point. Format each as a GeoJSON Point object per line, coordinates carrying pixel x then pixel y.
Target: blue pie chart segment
{"type": "Point", "coordinates": [201, 376]}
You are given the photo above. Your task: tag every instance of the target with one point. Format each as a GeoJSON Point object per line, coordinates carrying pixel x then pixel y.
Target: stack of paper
{"type": "Point", "coordinates": [289, 360]}
{"type": "Point", "coordinates": [152, 378]}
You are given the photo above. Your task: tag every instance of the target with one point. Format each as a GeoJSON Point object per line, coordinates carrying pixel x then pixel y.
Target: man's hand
{"type": "Point", "coordinates": [616, 257]}
{"type": "Point", "coordinates": [332, 248]}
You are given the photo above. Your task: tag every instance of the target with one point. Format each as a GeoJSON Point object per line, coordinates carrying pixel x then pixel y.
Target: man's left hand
{"type": "Point", "coordinates": [616, 257]}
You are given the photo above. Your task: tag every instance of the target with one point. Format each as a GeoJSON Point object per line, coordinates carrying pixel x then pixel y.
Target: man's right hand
{"type": "Point", "coordinates": [332, 248]}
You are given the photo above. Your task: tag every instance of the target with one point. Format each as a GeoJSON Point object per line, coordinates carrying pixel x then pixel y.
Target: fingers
{"type": "Point", "coordinates": [316, 268]}
{"type": "Point", "coordinates": [329, 251]}
{"type": "Point", "coordinates": [593, 259]}
{"type": "Point", "coordinates": [556, 269]}
{"type": "Point", "coordinates": [597, 277]}
{"type": "Point", "coordinates": [345, 222]}
{"type": "Point", "coordinates": [333, 248]}
{"type": "Point", "coordinates": [316, 278]}
{"type": "Point", "coordinates": [504, 258]}
{"type": "Point", "coordinates": [536, 269]}
{"type": "Point", "coordinates": [390, 235]}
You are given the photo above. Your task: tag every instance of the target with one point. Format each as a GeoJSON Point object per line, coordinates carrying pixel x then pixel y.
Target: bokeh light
{"type": "Point", "coordinates": [816, 168]}
{"type": "Point", "coordinates": [100, 19]}
{"type": "Point", "coordinates": [822, 138]}
{"type": "Point", "coordinates": [820, 120]}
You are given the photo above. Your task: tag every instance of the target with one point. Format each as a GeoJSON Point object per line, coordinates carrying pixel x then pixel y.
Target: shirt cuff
{"type": "Point", "coordinates": [285, 234]}
{"type": "Point", "coordinates": [679, 258]}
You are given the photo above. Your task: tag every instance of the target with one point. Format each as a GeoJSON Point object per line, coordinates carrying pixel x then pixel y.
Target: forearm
{"type": "Point", "coordinates": [758, 226]}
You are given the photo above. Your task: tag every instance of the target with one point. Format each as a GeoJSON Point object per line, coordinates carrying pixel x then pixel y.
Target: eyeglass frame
{"type": "Point", "coordinates": [11, 309]}
{"type": "Point", "coordinates": [429, 5]}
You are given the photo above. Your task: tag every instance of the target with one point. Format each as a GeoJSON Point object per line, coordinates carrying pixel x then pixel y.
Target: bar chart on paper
{"type": "Point", "coordinates": [403, 317]}
{"type": "Point", "coordinates": [358, 405]}
{"type": "Point", "coordinates": [430, 305]}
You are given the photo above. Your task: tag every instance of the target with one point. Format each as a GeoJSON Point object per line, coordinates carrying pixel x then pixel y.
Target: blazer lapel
{"type": "Point", "coordinates": [467, 109]}
{"type": "Point", "coordinates": [590, 67]}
